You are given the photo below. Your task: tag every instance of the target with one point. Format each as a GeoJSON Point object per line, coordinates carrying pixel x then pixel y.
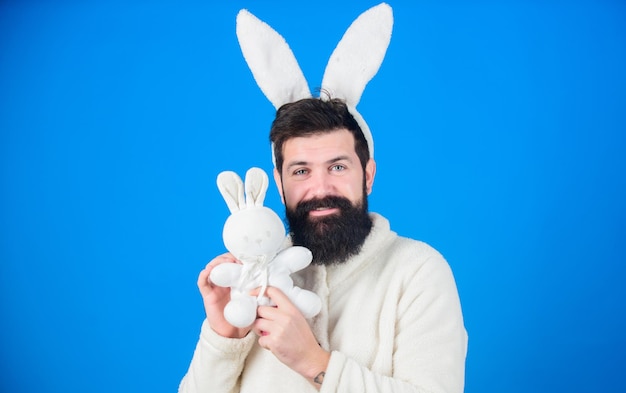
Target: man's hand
{"type": "Point", "coordinates": [215, 299]}
{"type": "Point", "coordinates": [284, 331]}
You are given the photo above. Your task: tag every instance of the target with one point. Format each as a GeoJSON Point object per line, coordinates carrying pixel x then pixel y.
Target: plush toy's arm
{"type": "Point", "coordinates": [288, 261]}
{"type": "Point", "coordinates": [293, 258]}
{"type": "Point", "coordinates": [226, 274]}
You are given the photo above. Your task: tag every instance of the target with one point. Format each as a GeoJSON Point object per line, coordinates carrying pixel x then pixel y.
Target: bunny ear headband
{"type": "Point", "coordinates": [353, 63]}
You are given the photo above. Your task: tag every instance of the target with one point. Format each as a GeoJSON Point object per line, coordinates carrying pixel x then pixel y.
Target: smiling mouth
{"type": "Point", "coordinates": [323, 211]}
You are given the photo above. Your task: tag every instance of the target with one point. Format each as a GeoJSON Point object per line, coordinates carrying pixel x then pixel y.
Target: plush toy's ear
{"type": "Point", "coordinates": [256, 186]}
{"type": "Point", "coordinates": [271, 61]}
{"type": "Point", "coordinates": [231, 188]}
{"type": "Point", "coordinates": [357, 58]}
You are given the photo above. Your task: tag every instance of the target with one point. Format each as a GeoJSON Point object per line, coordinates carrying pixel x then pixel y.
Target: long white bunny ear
{"type": "Point", "coordinates": [256, 186]}
{"type": "Point", "coordinates": [359, 54]}
{"type": "Point", "coordinates": [357, 58]}
{"type": "Point", "coordinates": [231, 188]}
{"type": "Point", "coordinates": [271, 61]}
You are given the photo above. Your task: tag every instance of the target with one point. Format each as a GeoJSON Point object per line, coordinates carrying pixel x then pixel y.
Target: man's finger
{"type": "Point", "coordinates": [278, 297]}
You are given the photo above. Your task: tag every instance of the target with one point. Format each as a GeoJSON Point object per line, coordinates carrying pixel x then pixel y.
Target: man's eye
{"type": "Point", "coordinates": [337, 167]}
{"type": "Point", "coordinates": [300, 172]}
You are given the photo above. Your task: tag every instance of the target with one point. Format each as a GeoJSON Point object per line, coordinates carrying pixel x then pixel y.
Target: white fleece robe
{"type": "Point", "coordinates": [391, 318]}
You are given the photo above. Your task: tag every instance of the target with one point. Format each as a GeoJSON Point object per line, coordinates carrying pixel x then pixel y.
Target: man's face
{"type": "Point", "coordinates": [324, 190]}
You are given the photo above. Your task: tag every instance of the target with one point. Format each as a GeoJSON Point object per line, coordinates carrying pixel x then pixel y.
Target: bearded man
{"type": "Point", "coordinates": [391, 319]}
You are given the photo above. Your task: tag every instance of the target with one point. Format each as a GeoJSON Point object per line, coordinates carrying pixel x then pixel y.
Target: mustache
{"type": "Point", "coordinates": [338, 202]}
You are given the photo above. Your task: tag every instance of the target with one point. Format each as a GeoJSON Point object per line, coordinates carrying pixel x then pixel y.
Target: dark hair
{"type": "Point", "coordinates": [313, 116]}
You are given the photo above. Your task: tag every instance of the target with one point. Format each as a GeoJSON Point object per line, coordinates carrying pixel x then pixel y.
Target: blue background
{"type": "Point", "coordinates": [500, 140]}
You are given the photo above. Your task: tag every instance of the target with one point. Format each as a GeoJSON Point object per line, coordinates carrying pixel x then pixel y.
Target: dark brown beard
{"type": "Point", "coordinates": [335, 238]}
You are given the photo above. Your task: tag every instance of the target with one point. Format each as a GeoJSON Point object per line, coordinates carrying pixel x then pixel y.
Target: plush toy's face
{"type": "Point", "coordinates": [253, 232]}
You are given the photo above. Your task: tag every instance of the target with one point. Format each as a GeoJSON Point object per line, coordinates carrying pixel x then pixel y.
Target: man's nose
{"type": "Point", "coordinates": [321, 184]}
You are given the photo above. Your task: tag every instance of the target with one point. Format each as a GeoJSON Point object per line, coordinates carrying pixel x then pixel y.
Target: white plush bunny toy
{"type": "Point", "coordinates": [254, 233]}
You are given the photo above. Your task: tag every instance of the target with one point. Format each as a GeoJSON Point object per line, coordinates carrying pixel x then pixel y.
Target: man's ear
{"type": "Point", "coordinates": [370, 172]}
{"type": "Point", "coordinates": [279, 183]}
